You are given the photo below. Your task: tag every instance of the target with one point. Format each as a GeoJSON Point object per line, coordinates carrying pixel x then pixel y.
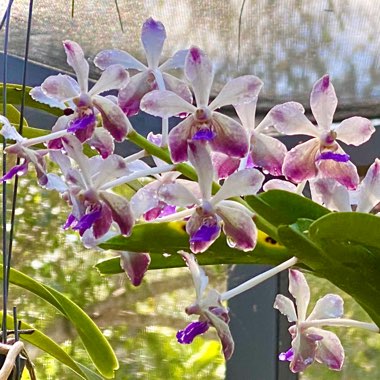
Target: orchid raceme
{"type": "Point", "coordinates": [204, 225]}
{"type": "Point", "coordinates": [151, 77]}
{"type": "Point", "coordinates": [322, 154]}
{"type": "Point", "coordinates": [203, 123]}
{"type": "Point", "coordinates": [82, 120]}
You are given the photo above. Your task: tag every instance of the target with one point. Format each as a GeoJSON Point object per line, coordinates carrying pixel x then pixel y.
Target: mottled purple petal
{"type": "Point", "coordinates": [102, 225]}
{"type": "Point", "coordinates": [75, 58]}
{"type": "Point", "coordinates": [300, 290]}
{"type": "Point", "coordinates": [153, 36]}
{"type": "Point", "coordinates": [231, 138]}
{"type": "Point", "coordinates": [114, 120]}
{"type": "Point", "coordinates": [178, 138]}
{"type": "Point", "coordinates": [238, 226]}
{"type": "Point", "coordinates": [200, 73]}
{"type": "Point", "coordinates": [355, 130]}
{"type": "Point", "coordinates": [135, 265]}
{"type": "Point", "coordinates": [192, 330]}
{"type": "Point", "coordinates": [59, 87]}
{"type": "Point", "coordinates": [107, 58]}
{"type": "Point", "coordinates": [268, 153]}
{"type": "Point", "coordinates": [299, 163]}
{"type": "Point", "coordinates": [304, 349]}
{"type": "Point", "coordinates": [113, 78]}
{"type": "Point", "coordinates": [102, 141]}
{"type": "Point", "coordinates": [243, 89]}
{"type": "Point", "coordinates": [224, 165]}
{"type": "Point", "coordinates": [323, 102]}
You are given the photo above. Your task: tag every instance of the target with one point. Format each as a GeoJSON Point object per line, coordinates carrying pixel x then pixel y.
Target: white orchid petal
{"type": "Point", "coordinates": [355, 130]}
{"type": "Point", "coordinates": [299, 289]}
{"type": "Point", "coordinates": [279, 184]}
{"type": "Point", "coordinates": [107, 58]}
{"type": "Point", "coordinates": [37, 94]}
{"type": "Point", "coordinates": [323, 102]}
{"type": "Point", "coordinates": [241, 90]}
{"type": "Point", "coordinates": [177, 61]}
{"type": "Point", "coordinates": [59, 87]}
{"type": "Point", "coordinates": [8, 131]}
{"type": "Point", "coordinates": [177, 195]}
{"type": "Point", "coordinates": [329, 306]}
{"type": "Point", "coordinates": [113, 78]}
{"type": "Point", "coordinates": [246, 113]}
{"type": "Point", "coordinates": [286, 307]}
{"type": "Point", "coordinates": [369, 189]}
{"type": "Point", "coordinates": [153, 36]}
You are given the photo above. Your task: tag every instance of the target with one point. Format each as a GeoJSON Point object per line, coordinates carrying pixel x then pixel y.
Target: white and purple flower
{"type": "Point", "coordinates": [321, 155]}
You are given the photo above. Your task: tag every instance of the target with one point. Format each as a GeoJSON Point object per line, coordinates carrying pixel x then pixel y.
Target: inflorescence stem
{"type": "Point", "coordinates": [341, 322]}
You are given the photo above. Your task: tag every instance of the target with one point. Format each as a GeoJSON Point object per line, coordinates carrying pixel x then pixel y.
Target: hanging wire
{"type": "Point", "coordinates": [239, 34]}
{"type": "Point", "coordinates": [20, 130]}
{"type": "Point", "coordinates": [2, 22]}
{"type": "Point", "coordinates": [4, 198]}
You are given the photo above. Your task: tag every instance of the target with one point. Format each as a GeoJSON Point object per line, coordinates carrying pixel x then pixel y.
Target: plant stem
{"type": "Point", "coordinates": [341, 322]}
{"type": "Point", "coordinates": [258, 279]}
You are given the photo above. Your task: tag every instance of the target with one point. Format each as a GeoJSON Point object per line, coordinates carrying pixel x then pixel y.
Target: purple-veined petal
{"type": "Point", "coordinates": [107, 58]}
{"type": "Point", "coordinates": [192, 330]}
{"type": "Point", "coordinates": [135, 265]}
{"type": "Point", "coordinates": [299, 289]}
{"type": "Point", "coordinates": [200, 279]}
{"type": "Point", "coordinates": [329, 306]}
{"type": "Point", "coordinates": [16, 170]}
{"type": "Point", "coordinates": [102, 225]}
{"type": "Point", "coordinates": [224, 165]}
{"type": "Point", "coordinates": [369, 189]}
{"type": "Point", "coordinates": [178, 138]}
{"type": "Point", "coordinates": [330, 350]}
{"type": "Point", "coordinates": [231, 138]}
{"type": "Point", "coordinates": [102, 141]}
{"type": "Point", "coordinates": [200, 158]}
{"type": "Point", "coordinates": [268, 153]}
{"type": "Point", "coordinates": [355, 130]}
{"type": "Point", "coordinates": [279, 184]}
{"type": "Point", "coordinates": [60, 87]}
{"type": "Point", "coordinates": [241, 90]}
{"type": "Point", "coordinates": [177, 195]}
{"type": "Point", "coordinates": [113, 78]}
{"type": "Point", "coordinates": [224, 334]}
{"type": "Point", "coordinates": [289, 118]}
{"type": "Point", "coordinates": [121, 211]}
{"type": "Point", "coordinates": [165, 104]}
{"type": "Point", "coordinates": [238, 226]}
{"type": "Point", "coordinates": [246, 113]}
{"type": "Point", "coordinates": [75, 58]}
{"type": "Point", "coordinates": [114, 120]}
{"type": "Point", "coordinates": [177, 61]}
{"type": "Point", "coordinates": [299, 163]}
{"type": "Point", "coordinates": [204, 228]}
{"type": "Point", "coordinates": [344, 172]}
{"type": "Point", "coordinates": [9, 132]}
{"type": "Point", "coordinates": [332, 194]}
{"type": "Point", "coordinates": [153, 36]}
{"type": "Point", "coordinates": [286, 307]}
{"type": "Point", "coordinates": [178, 86]}
{"type": "Point", "coordinates": [200, 73]}
{"type": "Point", "coordinates": [244, 182]}
{"type": "Point", "coordinates": [37, 94]}
{"type": "Point", "coordinates": [323, 102]}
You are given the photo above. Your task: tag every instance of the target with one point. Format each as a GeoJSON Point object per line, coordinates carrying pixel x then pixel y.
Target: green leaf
{"type": "Point", "coordinates": [13, 115]}
{"type": "Point", "coordinates": [43, 342]}
{"type": "Point", "coordinates": [174, 238]}
{"type": "Point", "coordinates": [96, 344]}
{"type": "Point", "coordinates": [283, 207]}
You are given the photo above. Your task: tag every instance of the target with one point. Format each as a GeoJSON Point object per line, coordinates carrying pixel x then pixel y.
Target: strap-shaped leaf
{"type": "Point", "coordinates": [97, 346]}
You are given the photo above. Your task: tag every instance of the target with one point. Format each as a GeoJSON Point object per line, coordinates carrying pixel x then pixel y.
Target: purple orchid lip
{"type": "Point", "coordinates": [334, 156]}
{"type": "Point", "coordinates": [192, 330]}
{"type": "Point", "coordinates": [87, 220]}
{"type": "Point", "coordinates": [16, 170]}
{"type": "Point", "coordinates": [205, 233]}
{"type": "Point", "coordinates": [81, 123]}
{"type": "Point", "coordinates": [204, 134]}
{"type": "Point", "coordinates": [286, 356]}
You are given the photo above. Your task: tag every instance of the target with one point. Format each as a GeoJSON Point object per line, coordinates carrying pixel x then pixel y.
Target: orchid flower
{"type": "Point", "coordinates": [92, 207]}
{"type": "Point", "coordinates": [209, 308]}
{"type": "Point", "coordinates": [151, 77]}
{"type": "Point", "coordinates": [22, 150]}
{"type": "Point", "coordinates": [321, 154]}
{"type": "Point", "coordinates": [222, 132]}
{"type": "Point", "coordinates": [62, 89]}
{"type": "Point", "coordinates": [204, 225]}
